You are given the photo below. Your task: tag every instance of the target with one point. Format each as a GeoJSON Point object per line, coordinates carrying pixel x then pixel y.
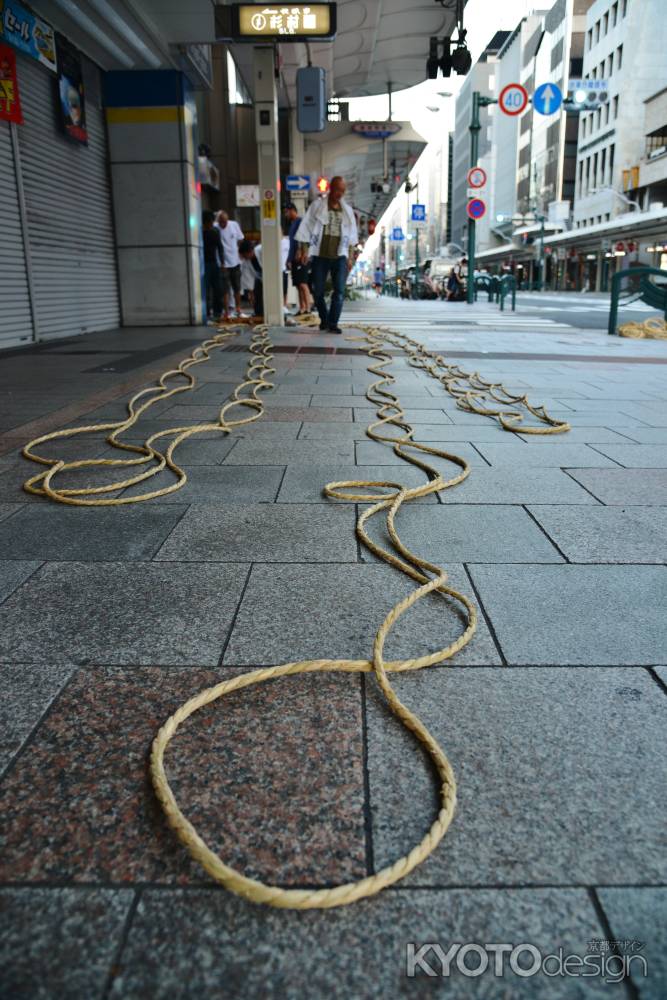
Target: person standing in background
{"type": "Point", "coordinates": [328, 235]}
{"type": "Point", "coordinates": [213, 263]}
{"type": "Point", "coordinates": [231, 235]}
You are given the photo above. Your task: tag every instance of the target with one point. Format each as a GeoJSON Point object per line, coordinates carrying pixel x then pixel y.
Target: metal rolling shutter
{"type": "Point", "coordinates": [15, 314]}
{"type": "Point", "coordinates": [68, 205]}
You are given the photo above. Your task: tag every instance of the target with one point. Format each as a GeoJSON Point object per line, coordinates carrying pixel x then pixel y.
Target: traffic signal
{"type": "Point", "coordinates": [586, 95]}
{"type": "Point", "coordinates": [323, 185]}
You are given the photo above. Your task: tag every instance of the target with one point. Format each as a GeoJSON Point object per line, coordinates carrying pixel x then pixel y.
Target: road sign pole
{"type": "Point", "coordinates": [417, 275]}
{"type": "Point", "coordinates": [474, 130]}
{"type": "Point", "coordinates": [540, 283]}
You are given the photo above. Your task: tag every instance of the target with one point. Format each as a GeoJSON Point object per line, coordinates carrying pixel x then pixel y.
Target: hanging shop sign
{"type": "Point", "coordinates": [20, 28]}
{"type": "Point", "coordinates": [10, 105]}
{"type": "Point", "coordinates": [251, 21]}
{"type": "Point", "coordinates": [71, 96]}
{"type": "Point", "coordinates": [375, 130]}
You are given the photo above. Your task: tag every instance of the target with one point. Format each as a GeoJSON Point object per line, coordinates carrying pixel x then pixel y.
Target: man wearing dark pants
{"type": "Point", "coordinates": [328, 235]}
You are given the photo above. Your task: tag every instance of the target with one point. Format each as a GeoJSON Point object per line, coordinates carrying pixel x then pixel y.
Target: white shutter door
{"type": "Point", "coordinates": [68, 205]}
{"type": "Point", "coordinates": [15, 315]}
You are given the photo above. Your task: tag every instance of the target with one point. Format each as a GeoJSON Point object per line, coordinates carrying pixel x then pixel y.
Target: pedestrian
{"type": "Point", "coordinates": [297, 270]}
{"type": "Point", "coordinates": [213, 263]}
{"type": "Point", "coordinates": [328, 236]}
{"type": "Point", "coordinates": [378, 281]}
{"type": "Point", "coordinates": [231, 235]}
{"type": "Point", "coordinates": [253, 255]}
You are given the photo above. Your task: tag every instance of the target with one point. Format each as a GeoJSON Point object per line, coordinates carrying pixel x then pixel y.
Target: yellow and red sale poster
{"type": "Point", "coordinates": [10, 105]}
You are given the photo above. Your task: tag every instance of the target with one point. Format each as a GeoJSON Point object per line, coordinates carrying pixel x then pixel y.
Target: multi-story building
{"type": "Point", "coordinates": [481, 78]}
{"type": "Point", "coordinates": [626, 44]}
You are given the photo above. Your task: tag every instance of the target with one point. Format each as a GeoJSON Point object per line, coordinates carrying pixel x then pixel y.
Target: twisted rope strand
{"type": "Point", "coordinates": [390, 413]}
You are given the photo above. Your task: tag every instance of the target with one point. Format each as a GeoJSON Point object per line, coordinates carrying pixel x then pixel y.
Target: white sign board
{"type": "Point", "coordinates": [247, 195]}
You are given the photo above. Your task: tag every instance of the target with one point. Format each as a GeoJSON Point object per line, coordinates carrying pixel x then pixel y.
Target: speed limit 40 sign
{"type": "Point", "coordinates": [513, 99]}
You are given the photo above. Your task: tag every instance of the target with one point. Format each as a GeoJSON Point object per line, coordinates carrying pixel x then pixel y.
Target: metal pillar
{"type": "Point", "coordinates": [540, 282]}
{"type": "Point", "coordinates": [266, 130]}
{"type": "Point", "coordinates": [417, 275]}
{"type": "Point", "coordinates": [474, 130]}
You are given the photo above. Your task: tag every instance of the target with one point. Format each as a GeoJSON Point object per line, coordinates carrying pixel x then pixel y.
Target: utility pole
{"type": "Point", "coordinates": [540, 283]}
{"type": "Point", "coordinates": [478, 101]}
{"type": "Point", "coordinates": [417, 276]}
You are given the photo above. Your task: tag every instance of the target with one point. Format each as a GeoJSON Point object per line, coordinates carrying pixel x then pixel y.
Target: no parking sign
{"type": "Point", "coordinates": [476, 208]}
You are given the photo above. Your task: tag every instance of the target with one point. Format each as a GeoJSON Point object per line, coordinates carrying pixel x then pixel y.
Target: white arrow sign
{"type": "Point", "coordinates": [549, 95]}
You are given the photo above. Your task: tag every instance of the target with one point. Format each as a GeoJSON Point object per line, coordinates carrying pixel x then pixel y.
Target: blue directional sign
{"type": "Point", "coordinates": [547, 99]}
{"type": "Point", "coordinates": [297, 182]}
{"type": "Point", "coordinates": [397, 234]}
{"type": "Point", "coordinates": [419, 213]}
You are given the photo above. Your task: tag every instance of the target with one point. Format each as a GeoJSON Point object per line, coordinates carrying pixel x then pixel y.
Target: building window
{"type": "Point", "coordinates": [595, 170]}
{"type": "Point", "coordinates": [624, 8]}
{"type": "Point", "coordinates": [603, 166]}
{"type": "Point", "coordinates": [611, 163]}
{"type": "Point", "coordinates": [614, 14]}
{"type": "Point", "coordinates": [598, 118]}
{"type": "Point", "coordinates": [656, 143]}
{"type": "Point", "coordinates": [583, 127]}
{"type": "Point", "coordinates": [597, 32]}
{"type": "Point", "coordinates": [619, 57]}
{"type": "Point", "coordinates": [616, 107]}
{"type": "Point", "coordinates": [599, 219]}
{"type": "Point", "coordinates": [606, 23]}
{"type": "Point", "coordinates": [581, 176]}
{"type": "Point", "coordinates": [606, 113]}
{"type": "Point", "coordinates": [610, 65]}
{"type": "Point", "coordinates": [590, 39]}
{"type": "Point", "coordinates": [594, 75]}
{"type": "Point", "coordinates": [588, 174]}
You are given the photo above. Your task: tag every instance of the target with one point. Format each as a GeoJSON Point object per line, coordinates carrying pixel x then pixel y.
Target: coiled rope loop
{"type": "Point", "coordinates": [386, 496]}
{"type": "Point", "coordinates": [654, 327]}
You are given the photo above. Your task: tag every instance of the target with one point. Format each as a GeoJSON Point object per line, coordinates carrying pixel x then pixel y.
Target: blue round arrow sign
{"type": "Point", "coordinates": [547, 99]}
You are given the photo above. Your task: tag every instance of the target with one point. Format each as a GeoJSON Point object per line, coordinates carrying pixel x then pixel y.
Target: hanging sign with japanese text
{"type": "Point", "coordinates": [10, 105]}
{"type": "Point", "coordinates": [250, 21]}
{"type": "Point", "coordinates": [22, 29]}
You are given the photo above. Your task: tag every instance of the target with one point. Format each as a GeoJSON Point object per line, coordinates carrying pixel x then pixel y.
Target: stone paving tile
{"type": "Point", "coordinates": [521, 485]}
{"type": "Point", "coordinates": [272, 777]}
{"type": "Point", "coordinates": [26, 693]}
{"type": "Point", "coordinates": [614, 614]}
{"type": "Point", "coordinates": [12, 575]}
{"type": "Point", "coordinates": [228, 948]}
{"type": "Point", "coordinates": [412, 402]}
{"type": "Point", "coordinates": [646, 435]}
{"type": "Point", "coordinates": [559, 455]}
{"type": "Point", "coordinates": [217, 484]}
{"type": "Point", "coordinates": [637, 456]}
{"type": "Point", "coordinates": [640, 914]}
{"type": "Point", "coordinates": [260, 451]}
{"type": "Point", "coordinates": [264, 533]}
{"type": "Point", "coordinates": [299, 611]}
{"type": "Point", "coordinates": [59, 943]}
{"type": "Point", "coordinates": [266, 426]}
{"type": "Point", "coordinates": [533, 806]}
{"type": "Point", "coordinates": [486, 534]}
{"type": "Point", "coordinates": [317, 414]}
{"type": "Point", "coordinates": [118, 613]}
{"type": "Point", "coordinates": [304, 484]}
{"type": "Point", "coordinates": [618, 487]}
{"type": "Point", "coordinates": [378, 453]}
{"type": "Point", "coordinates": [72, 534]}
{"type": "Point", "coordinates": [7, 509]}
{"type": "Point", "coordinates": [606, 534]}
{"type": "Point", "coordinates": [583, 435]}
{"type": "Point", "coordinates": [366, 415]}
{"type": "Point", "coordinates": [13, 476]}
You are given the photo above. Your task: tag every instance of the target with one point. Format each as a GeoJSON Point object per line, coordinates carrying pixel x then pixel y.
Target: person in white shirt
{"type": "Point", "coordinates": [253, 257]}
{"type": "Point", "coordinates": [231, 235]}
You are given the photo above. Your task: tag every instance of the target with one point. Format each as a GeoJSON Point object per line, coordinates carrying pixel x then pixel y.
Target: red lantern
{"type": "Point", "coordinates": [371, 226]}
{"type": "Point", "coordinates": [620, 246]}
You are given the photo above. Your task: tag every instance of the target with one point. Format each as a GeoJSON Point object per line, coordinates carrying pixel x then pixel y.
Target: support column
{"type": "Point", "coordinates": [266, 129]}
{"type": "Point", "coordinates": [152, 122]}
{"type": "Point", "coordinates": [300, 198]}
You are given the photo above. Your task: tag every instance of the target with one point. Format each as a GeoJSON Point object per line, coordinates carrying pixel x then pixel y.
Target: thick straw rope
{"type": "Point", "coordinates": [243, 398]}
{"type": "Point", "coordinates": [654, 327]}
{"type": "Point", "coordinates": [431, 578]}
{"type": "Point", "coordinates": [473, 394]}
